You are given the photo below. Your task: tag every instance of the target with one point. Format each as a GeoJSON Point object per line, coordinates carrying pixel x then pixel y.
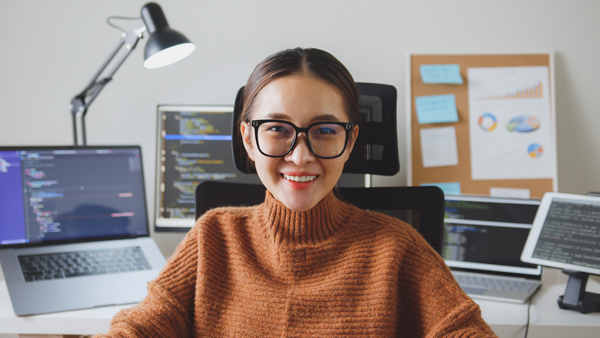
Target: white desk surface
{"type": "Point", "coordinates": [506, 319]}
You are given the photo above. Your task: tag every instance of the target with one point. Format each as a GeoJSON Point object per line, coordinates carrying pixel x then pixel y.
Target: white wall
{"type": "Point", "coordinates": [51, 49]}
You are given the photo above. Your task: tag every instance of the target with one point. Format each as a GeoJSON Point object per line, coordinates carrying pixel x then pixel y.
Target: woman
{"type": "Point", "coordinates": [302, 263]}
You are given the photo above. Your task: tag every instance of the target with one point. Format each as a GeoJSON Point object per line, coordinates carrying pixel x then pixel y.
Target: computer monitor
{"type": "Point", "coordinates": [194, 144]}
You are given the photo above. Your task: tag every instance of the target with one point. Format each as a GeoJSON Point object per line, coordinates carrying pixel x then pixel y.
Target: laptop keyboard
{"type": "Point", "coordinates": [480, 284]}
{"type": "Point", "coordinates": [82, 263]}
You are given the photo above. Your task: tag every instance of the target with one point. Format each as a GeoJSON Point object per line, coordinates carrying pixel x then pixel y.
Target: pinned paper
{"type": "Point", "coordinates": [449, 188]}
{"type": "Point", "coordinates": [438, 147]}
{"type": "Point", "coordinates": [510, 192]}
{"type": "Point", "coordinates": [436, 109]}
{"type": "Point", "coordinates": [441, 74]}
{"type": "Point", "coordinates": [511, 123]}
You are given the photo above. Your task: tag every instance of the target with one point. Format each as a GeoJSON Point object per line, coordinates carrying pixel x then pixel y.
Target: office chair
{"type": "Point", "coordinates": [375, 152]}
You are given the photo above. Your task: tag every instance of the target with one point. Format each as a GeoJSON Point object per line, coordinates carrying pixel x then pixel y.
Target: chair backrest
{"type": "Point", "coordinates": [375, 152]}
{"type": "Point", "coordinates": [422, 207]}
{"type": "Point", "coordinates": [376, 149]}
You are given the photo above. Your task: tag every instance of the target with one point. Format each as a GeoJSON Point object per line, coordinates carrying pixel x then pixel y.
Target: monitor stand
{"type": "Point", "coordinates": [575, 297]}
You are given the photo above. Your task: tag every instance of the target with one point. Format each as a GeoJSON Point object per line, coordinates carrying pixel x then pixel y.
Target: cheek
{"type": "Point", "coordinates": [266, 168]}
{"type": "Point", "coordinates": [335, 167]}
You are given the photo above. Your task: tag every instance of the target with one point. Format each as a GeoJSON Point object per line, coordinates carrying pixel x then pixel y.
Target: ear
{"type": "Point", "coordinates": [351, 141]}
{"type": "Point", "coordinates": [246, 132]}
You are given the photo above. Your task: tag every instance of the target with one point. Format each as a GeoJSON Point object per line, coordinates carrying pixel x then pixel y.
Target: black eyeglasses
{"type": "Point", "coordinates": [276, 138]}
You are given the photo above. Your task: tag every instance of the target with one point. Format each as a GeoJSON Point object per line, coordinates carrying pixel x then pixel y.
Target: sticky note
{"type": "Point", "coordinates": [449, 188]}
{"type": "Point", "coordinates": [436, 109]}
{"type": "Point", "coordinates": [441, 74]}
{"type": "Point", "coordinates": [438, 147]}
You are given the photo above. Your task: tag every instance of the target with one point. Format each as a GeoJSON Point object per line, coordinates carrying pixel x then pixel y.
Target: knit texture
{"type": "Point", "coordinates": [335, 270]}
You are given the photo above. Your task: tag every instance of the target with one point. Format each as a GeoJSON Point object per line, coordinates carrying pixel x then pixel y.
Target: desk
{"type": "Point", "coordinates": [546, 319]}
{"type": "Point", "coordinates": [507, 320]}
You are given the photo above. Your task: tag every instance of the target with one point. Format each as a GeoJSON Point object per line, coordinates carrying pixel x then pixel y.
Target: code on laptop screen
{"type": "Point", "coordinates": [67, 194]}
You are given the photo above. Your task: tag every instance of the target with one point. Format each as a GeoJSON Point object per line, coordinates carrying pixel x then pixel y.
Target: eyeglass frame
{"type": "Point", "coordinates": [347, 127]}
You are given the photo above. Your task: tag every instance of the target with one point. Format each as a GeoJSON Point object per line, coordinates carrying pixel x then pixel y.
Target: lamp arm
{"type": "Point", "coordinates": [81, 101]}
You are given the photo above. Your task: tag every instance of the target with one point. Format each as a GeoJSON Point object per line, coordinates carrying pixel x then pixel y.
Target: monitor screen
{"type": "Point", "coordinates": [62, 193]}
{"type": "Point", "coordinates": [566, 233]}
{"type": "Point", "coordinates": [488, 234]}
{"type": "Point", "coordinates": [194, 144]}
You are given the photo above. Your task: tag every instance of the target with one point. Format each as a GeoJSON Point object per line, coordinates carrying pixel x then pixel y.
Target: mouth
{"type": "Point", "coordinates": [300, 179]}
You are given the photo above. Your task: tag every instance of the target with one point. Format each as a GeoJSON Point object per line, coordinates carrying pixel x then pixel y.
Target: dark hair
{"type": "Point", "coordinates": [311, 61]}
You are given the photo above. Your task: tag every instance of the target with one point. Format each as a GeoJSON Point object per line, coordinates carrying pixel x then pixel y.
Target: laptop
{"type": "Point", "coordinates": [74, 230]}
{"type": "Point", "coordinates": [482, 245]}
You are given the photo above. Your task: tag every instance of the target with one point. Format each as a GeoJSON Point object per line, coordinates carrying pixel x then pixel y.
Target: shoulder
{"type": "Point", "coordinates": [392, 227]}
{"type": "Point", "coordinates": [393, 235]}
{"type": "Point", "coordinates": [396, 238]}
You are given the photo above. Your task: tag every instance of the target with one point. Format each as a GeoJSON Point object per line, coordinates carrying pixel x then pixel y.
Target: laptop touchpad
{"type": "Point", "coordinates": [103, 290]}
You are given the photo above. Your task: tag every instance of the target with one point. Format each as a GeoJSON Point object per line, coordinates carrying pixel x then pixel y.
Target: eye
{"type": "Point", "coordinates": [276, 129]}
{"type": "Point", "coordinates": [326, 130]}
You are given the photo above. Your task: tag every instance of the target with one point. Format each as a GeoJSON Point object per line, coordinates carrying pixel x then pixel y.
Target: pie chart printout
{"type": "Point", "coordinates": [535, 150]}
{"type": "Point", "coordinates": [523, 124]}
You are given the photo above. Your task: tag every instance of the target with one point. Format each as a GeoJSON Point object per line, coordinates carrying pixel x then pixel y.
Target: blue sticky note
{"type": "Point", "coordinates": [436, 109]}
{"type": "Point", "coordinates": [441, 74]}
{"type": "Point", "coordinates": [449, 188]}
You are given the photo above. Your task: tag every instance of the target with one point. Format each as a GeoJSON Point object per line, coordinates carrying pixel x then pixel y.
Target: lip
{"type": "Point", "coordinates": [304, 179]}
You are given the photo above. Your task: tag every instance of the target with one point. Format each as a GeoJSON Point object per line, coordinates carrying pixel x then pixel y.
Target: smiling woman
{"type": "Point", "coordinates": [303, 263]}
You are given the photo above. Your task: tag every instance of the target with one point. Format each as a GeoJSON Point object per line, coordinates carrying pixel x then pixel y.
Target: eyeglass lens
{"type": "Point", "coordinates": [325, 139]}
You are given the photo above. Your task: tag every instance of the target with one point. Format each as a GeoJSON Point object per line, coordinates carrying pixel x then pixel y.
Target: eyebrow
{"type": "Point", "coordinates": [322, 117]}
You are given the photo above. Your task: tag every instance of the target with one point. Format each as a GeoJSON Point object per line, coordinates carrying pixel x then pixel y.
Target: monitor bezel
{"type": "Point", "coordinates": [538, 224]}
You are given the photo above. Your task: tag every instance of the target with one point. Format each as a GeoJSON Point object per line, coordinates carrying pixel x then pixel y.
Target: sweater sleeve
{"type": "Point", "coordinates": [167, 309]}
{"type": "Point", "coordinates": [434, 298]}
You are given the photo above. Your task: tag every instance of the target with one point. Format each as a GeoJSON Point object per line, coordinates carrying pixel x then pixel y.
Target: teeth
{"type": "Point", "coordinates": [299, 178]}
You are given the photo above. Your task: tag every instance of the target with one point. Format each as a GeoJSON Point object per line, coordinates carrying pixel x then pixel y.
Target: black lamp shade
{"type": "Point", "coordinates": [165, 45]}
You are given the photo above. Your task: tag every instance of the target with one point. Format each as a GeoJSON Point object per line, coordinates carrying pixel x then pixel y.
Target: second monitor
{"type": "Point", "coordinates": [193, 144]}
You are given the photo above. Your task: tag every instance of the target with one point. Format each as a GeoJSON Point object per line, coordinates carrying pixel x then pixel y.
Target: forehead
{"type": "Point", "coordinates": [299, 98]}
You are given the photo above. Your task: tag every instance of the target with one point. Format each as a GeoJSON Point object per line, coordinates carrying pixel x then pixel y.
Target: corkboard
{"type": "Point", "coordinates": [462, 172]}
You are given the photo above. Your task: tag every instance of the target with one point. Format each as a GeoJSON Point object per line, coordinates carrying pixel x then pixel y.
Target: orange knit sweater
{"type": "Point", "coordinates": [335, 270]}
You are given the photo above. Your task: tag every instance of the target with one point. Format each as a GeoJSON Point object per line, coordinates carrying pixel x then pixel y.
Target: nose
{"type": "Point", "coordinates": [301, 153]}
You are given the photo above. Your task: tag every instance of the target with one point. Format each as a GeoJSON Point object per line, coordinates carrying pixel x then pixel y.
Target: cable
{"type": "Point", "coordinates": [528, 317]}
{"type": "Point", "coordinates": [108, 21]}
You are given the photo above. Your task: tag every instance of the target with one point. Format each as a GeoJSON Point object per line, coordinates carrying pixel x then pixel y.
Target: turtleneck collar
{"type": "Point", "coordinates": [292, 228]}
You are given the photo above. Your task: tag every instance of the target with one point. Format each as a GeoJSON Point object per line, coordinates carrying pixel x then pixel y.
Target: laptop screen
{"type": "Point", "coordinates": [68, 194]}
{"type": "Point", "coordinates": [487, 234]}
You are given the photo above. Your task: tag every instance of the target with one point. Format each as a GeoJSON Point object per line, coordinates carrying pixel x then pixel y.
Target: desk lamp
{"type": "Point", "coordinates": [164, 46]}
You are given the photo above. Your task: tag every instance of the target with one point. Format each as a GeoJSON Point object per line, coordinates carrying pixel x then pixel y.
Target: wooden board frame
{"type": "Point", "coordinates": [417, 173]}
